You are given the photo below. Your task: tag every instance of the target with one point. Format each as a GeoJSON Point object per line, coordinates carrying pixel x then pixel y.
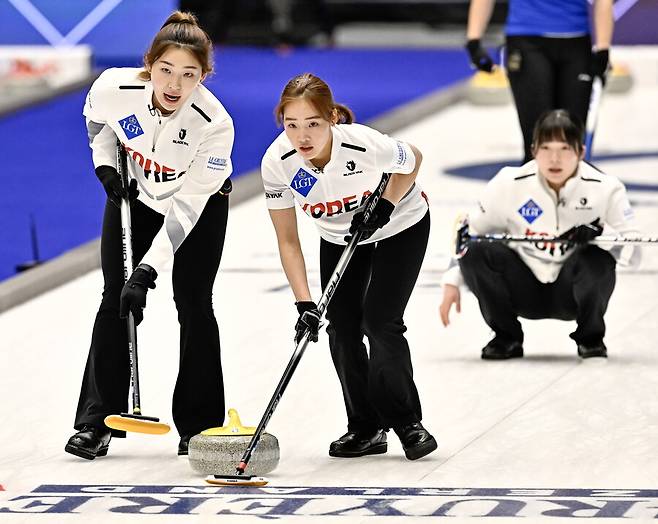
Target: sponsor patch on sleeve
{"type": "Point", "coordinates": [402, 153]}
{"type": "Point", "coordinates": [216, 163]}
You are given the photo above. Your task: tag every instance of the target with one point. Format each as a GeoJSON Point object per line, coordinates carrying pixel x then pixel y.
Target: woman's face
{"type": "Point", "coordinates": [309, 133]}
{"type": "Point", "coordinates": [174, 76]}
{"type": "Point", "coordinates": [557, 162]}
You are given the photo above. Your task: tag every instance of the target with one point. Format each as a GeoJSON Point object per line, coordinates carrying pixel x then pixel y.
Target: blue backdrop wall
{"type": "Point", "coordinates": [113, 28]}
{"type": "Point", "coordinates": [47, 170]}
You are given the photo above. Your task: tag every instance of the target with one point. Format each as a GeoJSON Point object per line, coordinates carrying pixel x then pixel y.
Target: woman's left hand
{"type": "Point", "coordinates": [381, 215]}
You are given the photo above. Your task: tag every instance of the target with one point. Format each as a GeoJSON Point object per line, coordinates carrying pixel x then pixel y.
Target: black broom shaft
{"type": "Point", "coordinates": [547, 239]}
{"type": "Point", "coordinates": [301, 347]}
{"type": "Point", "coordinates": [126, 238]}
{"type": "Point", "coordinates": [296, 358]}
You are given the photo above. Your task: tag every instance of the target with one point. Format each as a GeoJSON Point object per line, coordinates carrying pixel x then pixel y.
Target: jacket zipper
{"type": "Point", "coordinates": [156, 136]}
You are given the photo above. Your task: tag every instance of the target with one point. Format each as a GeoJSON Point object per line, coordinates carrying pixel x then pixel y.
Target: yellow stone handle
{"type": "Point", "coordinates": [234, 427]}
{"type": "Point", "coordinates": [234, 420]}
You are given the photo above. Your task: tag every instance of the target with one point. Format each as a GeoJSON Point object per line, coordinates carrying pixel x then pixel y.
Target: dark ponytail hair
{"type": "Point", "coordinates": [316, 91]}
{"type": "Point", "coordinates": [180, 30]}
{"type": "Point", "coordinates": [559, 125]}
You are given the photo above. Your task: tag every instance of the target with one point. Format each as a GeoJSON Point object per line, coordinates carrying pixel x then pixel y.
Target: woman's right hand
{"type": "Point", "coordinates": [114, 189]}
{"type": "Point", "coordinates": [451, 295]}
{"type": "Point", "coordinates": [480, 59]}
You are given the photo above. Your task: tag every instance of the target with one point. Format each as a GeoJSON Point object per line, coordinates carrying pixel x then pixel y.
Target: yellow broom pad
{"type": "Point", "coordinates": [135, 425]}
{"type": "Point", "coordinates": [234, 481]}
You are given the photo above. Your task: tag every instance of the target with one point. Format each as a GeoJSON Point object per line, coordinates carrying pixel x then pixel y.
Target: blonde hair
{"type": "Point", "coordinates": [316, 91]}
{"type": "Point", "coordinates": [180, 30]}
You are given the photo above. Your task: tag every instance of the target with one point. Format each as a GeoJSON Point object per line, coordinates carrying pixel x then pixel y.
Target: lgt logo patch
{"type": "Point", "coordinates": [131, 127]}
{"type": "Point", "coordinates": [303, 182]}
{"type": "Point", "coordinates": [530, 211]}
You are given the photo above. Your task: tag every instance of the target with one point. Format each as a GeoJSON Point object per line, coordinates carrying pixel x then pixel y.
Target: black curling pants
{"type": "Point", "coordinates": [198, 400]}
{"type": "Point", "coordinates": [545, 74]}
{"type": "Point", "coordinates": [378, 388]}
{"type": "Point", "coordinates": [506, 289]}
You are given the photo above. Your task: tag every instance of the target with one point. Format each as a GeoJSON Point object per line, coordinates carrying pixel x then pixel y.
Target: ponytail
{"type": "Point", "coordinates": [345, 114]}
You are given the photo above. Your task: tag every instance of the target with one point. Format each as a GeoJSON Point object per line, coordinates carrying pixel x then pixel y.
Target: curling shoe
{"type": "Point", "coordinates": [358, 444]}
{"type": "Point", "coordinates": [90, 442]}
{"type": "Point", "coordinates": [183, 445]}
{"type": "Point", "coordinates": [416, 440]}
{"type": "Point", "coordinates": [595, 350]}
{"type": "Point", "coordinates": [497, 349]}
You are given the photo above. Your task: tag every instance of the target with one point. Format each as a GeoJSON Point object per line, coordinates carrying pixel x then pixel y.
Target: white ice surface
{"type": "Point", "coordinates": [549, 420]}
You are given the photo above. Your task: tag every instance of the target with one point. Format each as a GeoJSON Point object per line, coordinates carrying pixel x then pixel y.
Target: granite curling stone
{"type": "Point", "coordinates": [218, 451]}
{"type": "Point", "coordinates": [620, 79]}
{"type": "Point", "coordinates": [489, 88]}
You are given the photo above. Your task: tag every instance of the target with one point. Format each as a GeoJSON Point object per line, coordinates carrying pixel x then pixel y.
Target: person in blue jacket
{"type": "Point", "coordinates": [549, 57]}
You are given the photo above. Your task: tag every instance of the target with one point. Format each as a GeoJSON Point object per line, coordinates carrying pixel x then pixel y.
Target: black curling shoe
{"type": "Point", "coordinates": [595, 350]}
{"type": "Point", "coordinates": [416, 440]}
{"type": "Point", "coordinates": [184, 445]}
{"type": "Point", "coordinates": [499, 350]}
{"type": "Point", "coordinates": [90, 442]}
{"type": "Point", "coordinates": [358, 444]}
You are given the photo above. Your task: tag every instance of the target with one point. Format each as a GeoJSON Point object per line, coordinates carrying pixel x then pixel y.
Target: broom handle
{"type": "Point", "coordinates": [547, 239]}
{"type": "Point", "coordinates": [592, 116]}
{"type": "Point", "coordinates": [126, 241]}
{"type": "Point", "coordinates": [301, 346]}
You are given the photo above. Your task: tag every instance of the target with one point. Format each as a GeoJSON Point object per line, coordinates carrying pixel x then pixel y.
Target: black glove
{"type": "Point", "coordinates": [480, 59]}
{"type": "Point", "coordinates": [226, 188]}
{"type": "Point", "coordinates": [133, 294]}
{"type": "Point", "coordinates": [379, 217]}
{"type": "Point", "coordinates": [113, 187]}
{"type": "Point", "coordinates": [583, 233]}
{"type": "Point", "coordinates": [461, 236]}
{"type": "Point", "coordinates": [599, 64]}
{"type": "Point", "coordinates": [309, 318]}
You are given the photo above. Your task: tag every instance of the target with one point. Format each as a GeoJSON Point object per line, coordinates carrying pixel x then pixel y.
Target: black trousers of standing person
{"type": "Point", "coordinates": [378, 388]}
{"type": "Point", "coordinates": [198, 400]}
{"type": "Point", "coordinates": [506, 289]}
{"type": "Point", "coordinates": [545, 74]}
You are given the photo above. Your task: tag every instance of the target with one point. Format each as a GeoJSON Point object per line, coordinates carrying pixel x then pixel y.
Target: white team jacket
{"type": "Point", "coordinates": [179, 161]}
{"type": "Point", "coordinates": [331, 195]}
{"type": "Point", "coordinates": [518, 201]}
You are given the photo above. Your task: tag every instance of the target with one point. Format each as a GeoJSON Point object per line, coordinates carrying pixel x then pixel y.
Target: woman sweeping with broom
{"type": "Point", "coordinates": [330, 166]}
{"type": "Point", "coordinates": [178, 139]}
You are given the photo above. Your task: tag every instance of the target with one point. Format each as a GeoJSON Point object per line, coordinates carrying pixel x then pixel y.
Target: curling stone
{"type": "Point", "coordinates": [489, 88]}
{"type": "Point", "coordinates": [217, 451]}
{"type": "Point", "coordinates": [619, 79]}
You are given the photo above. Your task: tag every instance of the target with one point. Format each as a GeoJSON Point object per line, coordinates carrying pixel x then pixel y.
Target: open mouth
{"type": "Point", "coordinates": [172, 99]}
{"type": "Point", "coordinates": [305, 149]}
